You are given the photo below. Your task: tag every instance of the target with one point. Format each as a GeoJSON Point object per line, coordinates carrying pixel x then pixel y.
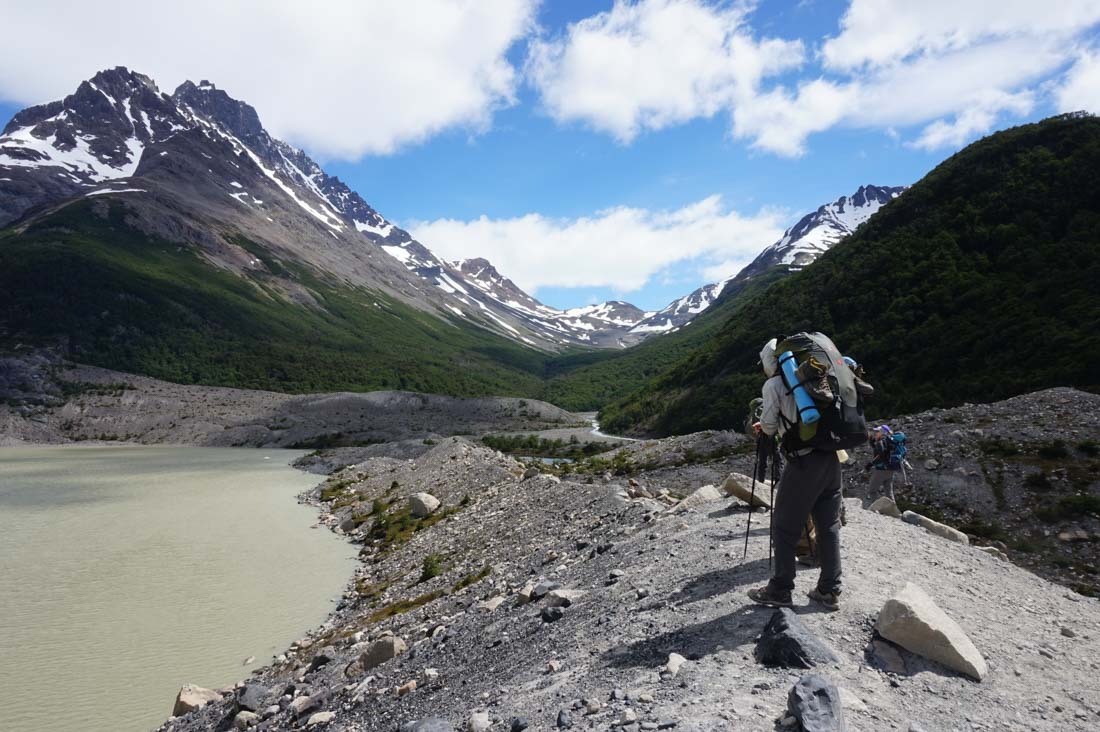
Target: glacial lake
{"type": "Point", "coordinates": [126, 572]}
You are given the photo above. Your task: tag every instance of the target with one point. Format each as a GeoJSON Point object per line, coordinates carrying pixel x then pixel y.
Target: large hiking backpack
{"type": "Point", "coordinates": [898, 451]}
{"type": "Point", "coordinates": [830, 383]}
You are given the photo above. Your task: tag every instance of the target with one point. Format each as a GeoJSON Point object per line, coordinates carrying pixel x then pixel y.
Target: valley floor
{"type": "Point", "coordinates": [650, 579]}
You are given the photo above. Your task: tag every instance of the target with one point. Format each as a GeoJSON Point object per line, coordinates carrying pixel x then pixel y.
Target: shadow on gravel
{"type": "Point", "coordinates": [711, 584]}
{"type": "Point", "coordinates": [740, 627]}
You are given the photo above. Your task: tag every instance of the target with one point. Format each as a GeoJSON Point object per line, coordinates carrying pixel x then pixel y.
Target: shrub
{"type": "Point", "coordinates": [1089, 447]}
{"type": "Point", "coordinates": [1055, 450]}
{"type": "Point", "coordinates": [1038, 482]}
{"type": "Point", "coordinates": [431, 568]}
{"type": "Point", "coordinates": [1070, 507]}
{"type": "Point", "coordinates": [996, 447]}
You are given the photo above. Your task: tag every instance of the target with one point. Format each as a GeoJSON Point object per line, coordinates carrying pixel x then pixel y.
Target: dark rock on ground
{"type": "Point", "coordinates": [815, 702]}
{"type": "Point", "coordinates": [787, 642]}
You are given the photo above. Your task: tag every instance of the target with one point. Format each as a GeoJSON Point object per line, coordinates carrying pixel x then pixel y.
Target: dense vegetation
{"type": "Point", "coordinates": [535, 446]}
{"type": "Point", "coordinates": [977, 284]}
{"type": "Point", "coordinates": [124, 301]}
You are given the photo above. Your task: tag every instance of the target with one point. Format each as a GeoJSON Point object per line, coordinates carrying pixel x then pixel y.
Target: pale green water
{"type": "Point", "coordinates": [126, 572]}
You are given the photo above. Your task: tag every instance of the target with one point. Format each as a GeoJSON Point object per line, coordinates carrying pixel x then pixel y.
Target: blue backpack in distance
{"type": "Point", "coordinates": [898, 451]}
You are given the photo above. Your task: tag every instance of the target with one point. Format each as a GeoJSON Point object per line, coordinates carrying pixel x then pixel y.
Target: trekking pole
{"type": "Point", "coordinates": [752, 499]}
{"type": "Point", "coordinates": [771, 507]}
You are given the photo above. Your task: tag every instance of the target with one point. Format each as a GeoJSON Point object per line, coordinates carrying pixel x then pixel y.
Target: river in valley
{"type": "Point", "coordinates": [126, 572]}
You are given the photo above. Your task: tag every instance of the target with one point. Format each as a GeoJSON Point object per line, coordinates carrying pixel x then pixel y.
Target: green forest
{"type": "Point", "coordinates": [978, 283]}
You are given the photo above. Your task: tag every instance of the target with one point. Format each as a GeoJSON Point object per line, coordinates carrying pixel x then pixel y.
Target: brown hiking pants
{"type": "Point", "coordinates": [810, 486]}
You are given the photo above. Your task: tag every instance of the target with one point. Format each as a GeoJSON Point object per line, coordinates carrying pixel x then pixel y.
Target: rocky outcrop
{"type": "Point", "coordinates": [913, 620]}
{"type": "Point", "coordinates": [381, 651]}
{"type": "Point", "coordinates": [935, 527]}
{"type": "Point", "coordinates": [191, 697]}
{"type": "Point", "coordinates": [885, 506]}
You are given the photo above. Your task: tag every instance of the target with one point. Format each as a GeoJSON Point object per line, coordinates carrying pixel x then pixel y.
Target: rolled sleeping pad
{"type": "Point", "coordinates": [807, 411]}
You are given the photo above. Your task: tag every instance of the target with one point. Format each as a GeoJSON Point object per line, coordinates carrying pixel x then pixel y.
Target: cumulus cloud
{"type": "Point", "coordinates": [653, 64]}
{"type": "Point", "coordinates": [621, 248]}
{"type": "Point", "coordinates": [955, 69]}
{"type": "Point", "coordinates": [343, 77]}
{"type": "Point", "coordinates": [1081, 87]}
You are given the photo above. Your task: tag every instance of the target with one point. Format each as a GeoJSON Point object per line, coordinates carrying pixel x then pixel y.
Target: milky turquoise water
{"type": "Point", "coordinates": [126, 572]}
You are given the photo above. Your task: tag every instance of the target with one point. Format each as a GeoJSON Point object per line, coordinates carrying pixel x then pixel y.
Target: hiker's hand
{"type": "Point", "coordinates": [757, 427]}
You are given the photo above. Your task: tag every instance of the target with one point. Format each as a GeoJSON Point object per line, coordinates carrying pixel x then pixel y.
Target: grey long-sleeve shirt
{"type": "Point", "coordinates": [777, 401]}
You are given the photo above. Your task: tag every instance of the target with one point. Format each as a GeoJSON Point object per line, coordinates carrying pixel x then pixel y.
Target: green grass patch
{"type": "Point", "coordinates": [996, 447]}
{"type": "Point", "coordinates": [472, 578]}
{"type": "Point", "coordinates": [1055, 450]}
{"type": "Point", "coordinates": [403, 606]}
{"type": "Point", "coordinates": [1070, 507]}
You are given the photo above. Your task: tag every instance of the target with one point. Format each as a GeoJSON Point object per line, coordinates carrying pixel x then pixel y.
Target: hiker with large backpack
{"type": "Point", "coordinates": [888, 449]}
{"type": "Point", "coordinates": [811, 402]}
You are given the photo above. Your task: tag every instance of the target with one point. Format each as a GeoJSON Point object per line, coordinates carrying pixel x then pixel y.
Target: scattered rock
{"type": "Point", "coordinates": [422, 505]}
{"type": "Point", "coordinates": [629, 716]}
{"type": "Point", "coordinates": [931, 464]}
{"type": "Point", "coordinates": [406, 688]}
{"type": "Point", "coordinates": [565, 720]}
{"type": "Point", "coordinates": [245, 720]}
{"type": "Point", "coordinates": [191, 697]}
{"type": "Point", "coordinates": [433, 724]}
{"type": "Point", "coordinates": [741, 486]}
{"type": "Point", "coordinates": [530, 473]}
{"type": "Point", "coordinates": [479, 722]}
{"type": "Point", "coordinates": [815, 702]}
{"type": "Point", "coordinates": [519, 724]}
{"type": "Point", "coordinates": [251, 697]}
{"type": "Point", "coordinates": [552, 614]}
{"type": "Point", "coordinates": [553, 666]}
{"type": "Point", "coordinates": [323, 657]}
{"type": "Point", "coordinates": [851, 702]}
{"type": "Point", "coordinates": [491, 604]}
{"type": "Point", "coordinates": [298, 707]}
{"type": "Point", "coordinates": [913, 621]}
{"type": "Point", "coordinates": [347, 526]}
{"type": "Point", "coordinates": [935, 527]}
{"type": "Point", "coordinates": [787, 642]}
{"type": "Point", "coordinates": [381, 651]}
{"type": "Point", "coordinates": [993, 552]}
{"type": "Point", "coordinates": [316, 720]}
{"type": "Point", "coordinates": [675, 661]}
{"type": "Point", "coordinates": [885, 506]}
{"type": "Point", "coordinates": [1068, 633]}
{"type": "Point", "coordinates": [702, 496]}
{"type": "Point", "coordinates": [542, 589]}
{"type": "Point", "coordinates": [563, 598]}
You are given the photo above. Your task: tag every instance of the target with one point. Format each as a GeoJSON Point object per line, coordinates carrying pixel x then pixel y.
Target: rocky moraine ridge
{"type": "Point", "coordinates": [610, 594]}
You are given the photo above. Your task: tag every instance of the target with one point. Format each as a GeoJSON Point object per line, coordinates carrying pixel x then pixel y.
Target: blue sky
{"type": "Point", "coordinates": [600, 150]}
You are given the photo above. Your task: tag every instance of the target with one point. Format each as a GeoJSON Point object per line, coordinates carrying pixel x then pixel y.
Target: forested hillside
{"type": "Point", "coordinates": [977, 284]}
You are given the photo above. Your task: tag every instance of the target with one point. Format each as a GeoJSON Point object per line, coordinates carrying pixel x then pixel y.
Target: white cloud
{"type": "Point", "coordinates": [1081, 88]}
{"type": "Point", "coordinates": [653, 64]}
{"type": "Point", "coordinates": [955, 69]}
{"type": "Point", "coordinates": [977, 120]}
{"type": "Point", "coordinates": [343, 78]}
{"type": "Point", "coordinates": [883, 32]}
{"type": "Point", "coordinates": [620, 248]}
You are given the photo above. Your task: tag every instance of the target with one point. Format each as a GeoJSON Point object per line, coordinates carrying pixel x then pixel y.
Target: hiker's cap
{"type": "Point", "coordinates": [767, 357]}
{"type": "Point", "coordinates": [851, 362]}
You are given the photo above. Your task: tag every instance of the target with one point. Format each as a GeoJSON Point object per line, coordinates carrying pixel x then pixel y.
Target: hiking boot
{"type": "Point", "coordinates": [764, 596]}
{"type": "Point", "coordinates": [830, 600]}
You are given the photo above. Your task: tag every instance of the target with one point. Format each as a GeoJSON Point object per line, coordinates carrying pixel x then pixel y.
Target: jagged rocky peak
{"type": "Point", "coordinates": [215, 105]}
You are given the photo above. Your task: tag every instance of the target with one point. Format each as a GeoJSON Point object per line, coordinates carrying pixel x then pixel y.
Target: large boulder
{"type": "Point", "coordinates": [563, 598]}
{"type": "Point", "coordinates": [422, 505]}
{"type": "Point", "coordinates": [885, 506]}
{"type": "Point", "coordinates": [740, 486]}
{"type": "Point", "coordinates": [701, 497]}
{"type": "Point", "coordinates": [191, 697]}
{"type": "Point", "coordinates": [913, 621]}
{"type": "Point", "coordinates": [815, 702]}
{"type": "Point", "coordinates": [381, 651]}
{"type": "Point", "coordinates": [787, 642]}
{"type": "Point", "coordinates": [935, 527]}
